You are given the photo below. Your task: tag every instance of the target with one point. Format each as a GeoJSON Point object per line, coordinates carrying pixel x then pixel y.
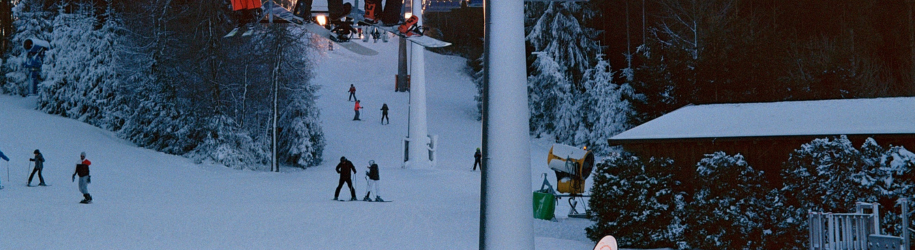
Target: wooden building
{"type": "Point", "coordinates": [766, 133]}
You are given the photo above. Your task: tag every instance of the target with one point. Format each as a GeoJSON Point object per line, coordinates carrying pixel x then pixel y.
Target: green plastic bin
{"type": "Point", "coordinates": [544, 205]}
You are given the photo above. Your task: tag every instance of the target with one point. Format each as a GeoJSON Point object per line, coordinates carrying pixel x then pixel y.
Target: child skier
{"type": "Point", "coordinates": [82, 169]}
{"type": "Point", "coordinates": [372, 182]}
{"type": "Point", "coordinates": [39, 165]}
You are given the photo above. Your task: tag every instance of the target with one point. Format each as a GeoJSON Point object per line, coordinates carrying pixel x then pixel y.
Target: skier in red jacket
{"type": "Point", "coordinates": [357, 108]}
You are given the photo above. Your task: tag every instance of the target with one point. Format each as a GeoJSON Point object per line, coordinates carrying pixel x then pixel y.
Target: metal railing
{"type": "Point", "coordinates": [833, 231]}
{"type": "Point", "coordinates": [854, 231]}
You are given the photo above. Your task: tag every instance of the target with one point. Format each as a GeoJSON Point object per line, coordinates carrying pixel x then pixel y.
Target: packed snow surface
{"type": "Point", "coordinates": [150, 200]}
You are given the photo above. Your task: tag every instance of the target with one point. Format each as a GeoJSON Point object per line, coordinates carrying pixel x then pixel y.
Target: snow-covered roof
{"type": "Point", "coordinates": [795, 118]}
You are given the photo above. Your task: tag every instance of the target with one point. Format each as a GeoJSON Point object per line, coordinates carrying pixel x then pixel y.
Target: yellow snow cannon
{"type": "Point", "coordinates": [572, 166]}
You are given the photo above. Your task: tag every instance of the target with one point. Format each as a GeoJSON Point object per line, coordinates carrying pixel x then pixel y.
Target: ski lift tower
{"type": "Point", "coordinates": [418, 142]}
{"type": "Point", "coordinates": [506, 213]}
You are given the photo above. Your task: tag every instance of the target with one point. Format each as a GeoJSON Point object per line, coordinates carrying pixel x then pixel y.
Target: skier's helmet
{"type": "Point", "coordinates": [371, 162]}
{"type": "Point", "coordinates": [82, 154]}
{"type": "Point", "coordinates": [36, 151]}
{"type": "Point", "coordinates": [342, 158]}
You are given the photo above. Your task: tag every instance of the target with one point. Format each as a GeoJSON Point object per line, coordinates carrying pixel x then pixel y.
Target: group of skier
{"type": "Point", "coordinates": [358, 106]}
{"type": "Point", "coordinates": [346, 168]}
{"type": "Point", "coordinates": [82, 169]}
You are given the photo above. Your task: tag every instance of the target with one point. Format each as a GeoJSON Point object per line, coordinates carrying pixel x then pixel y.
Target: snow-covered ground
{"type": "Point", "coordinates": [150, 200]}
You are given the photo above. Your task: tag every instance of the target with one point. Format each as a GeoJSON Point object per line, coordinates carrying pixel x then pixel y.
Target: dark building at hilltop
{"type": "Point", "coordinates": [766, 133]}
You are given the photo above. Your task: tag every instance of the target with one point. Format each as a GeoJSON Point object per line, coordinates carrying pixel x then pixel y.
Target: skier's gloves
{"type": "Point", "coordinates": [73, 178]}
{"type": "Point", "coordinates": [89, 179]}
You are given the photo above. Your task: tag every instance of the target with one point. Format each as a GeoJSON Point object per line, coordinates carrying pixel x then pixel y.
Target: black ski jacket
{"type": "Point", "coordinates": [373, 172]}
{"type": "Point", "coordinates": [344, 169]}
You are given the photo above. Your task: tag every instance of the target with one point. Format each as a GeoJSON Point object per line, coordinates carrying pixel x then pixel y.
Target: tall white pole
{"type": "Point", "coordinates": [418, 151]}
{"type": "Point", "coordinates": [506, 213]}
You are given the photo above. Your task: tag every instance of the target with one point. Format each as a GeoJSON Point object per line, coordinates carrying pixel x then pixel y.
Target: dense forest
{"type": "Point", "coordinates": [160, 74]}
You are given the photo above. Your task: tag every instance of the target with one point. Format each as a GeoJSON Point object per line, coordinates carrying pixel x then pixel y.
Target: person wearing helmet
{"type": "Point", "coordinates": [344, 168]}
{"type": "Point", "coordinates": [39, 165]}
{"type": "Point", "coordinates": [477, 160]}
{"type": "Point", "coordinates": [372, 182]}
{"type": "Point", "coordinates": [82, 169]}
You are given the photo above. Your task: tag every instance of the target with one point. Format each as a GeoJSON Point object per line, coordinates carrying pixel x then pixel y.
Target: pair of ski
{"type": "Point", "coordinates": [364, 201]}
{"type": "Point", "coordinates": [234, 31]}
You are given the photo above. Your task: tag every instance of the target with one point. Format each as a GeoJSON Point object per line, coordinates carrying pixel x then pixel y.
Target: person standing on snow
{"type": "Point", "coordinates": [82, 169]}
{"type": "Point", "coordinates": [344, 168]}
{"type": "Point", "coordinates": [372, 182]}
{"type": "Point", "coordinates": [357, 108]}
{"type": "Point", "coordinates": [477, 157]}
{"type": "Point", "coordinates": [352, 93]}
{"type": "Point", "coordinates": [384, 113]}
{"type": "Point", "coordinates": [39, 165]}
{"type": "Point", "coordinates": [7, 159]}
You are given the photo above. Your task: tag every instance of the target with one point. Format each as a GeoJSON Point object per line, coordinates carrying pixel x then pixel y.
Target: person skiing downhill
{"type": "Point", "coordinates": [7, 159]}
{"type": "Point", "coordinates": [372, 182]}
{"type": "Point", "coordinates": [352, 93]}
{"type": "Point", "coordinates": [39, 166]}
{"type": "Point", "coordinates": [477, 157]}
{"type": "Point", "coordinates": [384, 113]}
{"type": "Point", "coordinates": [344, 168]}
{"type": "Point", "coordinates": [82, 169]}
{"type": "Point", "coordinates": [357, 108]}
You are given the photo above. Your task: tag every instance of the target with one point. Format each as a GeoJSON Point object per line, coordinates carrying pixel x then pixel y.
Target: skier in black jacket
{"type": "Point", "coordinates": [372, 182]}
{"type": "Point", "coordinates": [384, 113]}
{"type": "Point", "coordinates": [344, 168]}
{"type": "Point", "coordinates": [39, 166]}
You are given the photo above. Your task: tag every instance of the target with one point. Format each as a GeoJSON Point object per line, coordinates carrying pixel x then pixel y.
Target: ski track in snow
{"type": "Point", "coordinates": [150, 200]}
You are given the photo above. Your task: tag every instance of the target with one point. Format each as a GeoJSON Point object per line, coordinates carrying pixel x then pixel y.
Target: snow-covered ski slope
{"type": "Point", "coordinates": [149, 200]}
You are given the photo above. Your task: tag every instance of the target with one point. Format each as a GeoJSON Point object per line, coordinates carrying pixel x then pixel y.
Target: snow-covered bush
{"type": "Point", "coordinates": [732, 208]}
{"type": "Point", "coordinates": [636, 201]}
{"type": "Point", "coordinates": [827, 175]}
{"type": "Point", "coordinates": [225, 144]}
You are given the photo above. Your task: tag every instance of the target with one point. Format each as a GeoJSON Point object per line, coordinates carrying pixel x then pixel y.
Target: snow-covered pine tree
{"type": "Point", "coordinates": [607, 108]}
{"type": "Point", "coordinates": [32, 21]}
{"type": "Point", "coordinates": [564, 50]}
{"type": "Point", "coordinates": [159, 120]}
{"type": "Point", "coordinates": [300, 141]}
{"type": "Point", "coordinates": [82, 80]}
{"type": "Point", "coordinates": [635, 201]}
